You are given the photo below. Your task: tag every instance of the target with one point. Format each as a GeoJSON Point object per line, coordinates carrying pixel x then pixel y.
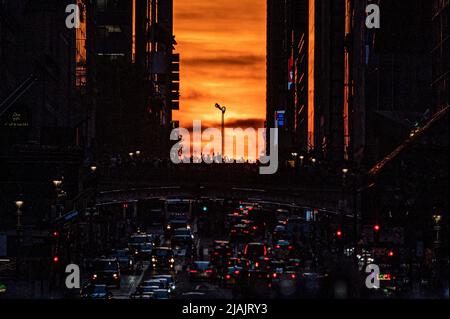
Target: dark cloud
{"type": "Point", "coordinates": [194, 95]}
{"type": "Point", "coordinates": [229, 61]}
{"type": "Point", "coordinates": [232, 123]}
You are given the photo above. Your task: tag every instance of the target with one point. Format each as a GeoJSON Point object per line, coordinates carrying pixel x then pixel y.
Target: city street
{"type": "Point", "coordinates": [184, 150]}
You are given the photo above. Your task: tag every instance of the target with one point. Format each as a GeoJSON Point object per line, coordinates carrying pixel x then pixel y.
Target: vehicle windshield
{"type": "Point", "coordinates": [122, 253]}
{"type": "Point", "coordinates": [98, 289]}
{"type": "Point", "coordinates": [146, 246]}
{"type": "Point", "coordinates": [201, 265]}
{"type": "Point", "coordinates": [162, 252]}
{"type": "Point", "coordinates": [166, 278]}
{"type": "Point", "coordinates": [182, 232]}
{"type": "Point", "coordinates": [255, 250]}
{"type": "Point", "coordinates": [138, 239]}
{"type": "Point", "coordinates": [178, 223]}
{"type": "Point", "coordinates": [105, 265]}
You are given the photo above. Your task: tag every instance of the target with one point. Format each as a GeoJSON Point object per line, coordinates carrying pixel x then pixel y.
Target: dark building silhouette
{"type": "Point", "coordinates": [39, 107]}
{"type": "Point", "coordinates": [132, 72]}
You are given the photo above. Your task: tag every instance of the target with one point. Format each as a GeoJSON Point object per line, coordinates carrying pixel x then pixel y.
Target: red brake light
{"type": "Point", "coordinates": [277, 246]}
{"type": "Point", "coordinates": [236, 272]}
{"type": "Point", "coordinates": [209, 270]}
{"type": "Point", "coordinates": [227, 276]}
{"type": "Point", "coordinates": [193, 271]}
{"type": "Point", "coordinates": [254, 227]}
{"type": "Point", "coordinates": [290, 247]}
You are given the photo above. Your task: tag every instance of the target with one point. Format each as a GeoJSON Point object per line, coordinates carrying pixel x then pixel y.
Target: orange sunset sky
{"type": "Point", "coordinates": [222, 46]}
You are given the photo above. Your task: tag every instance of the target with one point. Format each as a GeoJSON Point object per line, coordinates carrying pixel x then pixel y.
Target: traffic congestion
{"type": "Point", "coordinates": [234, 249]}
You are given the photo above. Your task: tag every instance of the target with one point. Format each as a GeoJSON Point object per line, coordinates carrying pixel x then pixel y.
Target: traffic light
{"type": "Point", "coordinates": [339, 233]}
{"type": "Point", "coordinates": [391, 253]}
{"type": "Point", "coordinates": [205, 209]}
{"type": "Point", "coordinates": [125, 205]}
{"type": "Point", "coordinates": [376, 232]}
{"type": "Point", "coordinates": [55, 259]}
{"type": "Point", "coordinates": [55, 234]}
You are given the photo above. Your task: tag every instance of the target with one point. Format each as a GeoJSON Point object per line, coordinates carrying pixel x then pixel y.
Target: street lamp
{"type": "Point", "coordinates": [19, 205]}
{"type": "Point", "coordinates": [223, 110]}
{"type": "Point", "coordinates": [57, 183]}
{"type": "Point", "coordinates": [301, 160]}
{"type": "Point", "coordinates": [138, 153]}
{"type": "Point", "coordinates": [131, 154]}
{"type": "Point", "coordinates": [313, 160]}
{"type": "Point", "coordinates": [344, 171]}
{"type": "Point", "coordinates": [93, 168]}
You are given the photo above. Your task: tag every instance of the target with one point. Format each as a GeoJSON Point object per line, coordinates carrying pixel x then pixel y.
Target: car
{"type": "Point", "coordinates": [96, 291]}
{"type": "Point", "coordinates": [106, 271]}
{"type": "Point", "coordinates": [181, 242]}
{"type": "Point", "coordinates": [161, 294]}
{"type": "Point", "coordinates": [201, 270]}
{"type": "Point", "coordinates": [261, 263]}
{"type": "Point", "coordinates": [284, 274]}
{"type": "Point", "coordinates": [282, 216]}
{"type": "Point", "coordinates": [162, 258]}
{"type": "Point", "coordinates": [233, 219]}
{"type": "Point", "coordinates": [147, 290]}
{"type": "Point", "coordinates": [145, 251]}
{"type": "Point", "coordinates": [253, 251]}
{"type": "Point", "coordinates": [183, 231]}
{"type": "Point", "coordinates": [135, 243]}
{"type": "Point", "coordinates": [237, 261]}
{"type": "Point", "coordinates": [174, 224]}
{"type": "Point", "coordinates": [152, 283]}
{"type": "Point", "coordinates": [294, 262]}
{"type": "Point", "coordinates": [170, 280]}
{"type": "Point", "coordinates": [241, 232]}
{"type": "Point", "coordinates": [125, 259]}
{"type": "Point", "coordinates": [280, 232]}
{"type": "Point", "coordinates": [221, 252]}
{"type": "Point", "coordinates": [231, 276]}
{"type": "Point", "coordinates": [283, 249]}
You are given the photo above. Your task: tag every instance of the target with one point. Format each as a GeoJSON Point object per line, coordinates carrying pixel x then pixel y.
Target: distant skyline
{"type": "Point", "coordinates": [222, 45]}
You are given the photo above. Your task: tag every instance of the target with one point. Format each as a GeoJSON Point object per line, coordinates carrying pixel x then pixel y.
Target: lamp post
{"type": "Point", "coordinates": [223, 110]}
{"type": "Point", "coordinates": [19, 204]}
{"type": "Point", "coordinates": [57, 183]}
{"type": "Point", "coordinates": [301, 160]}
{"type": "Point", "coordinates": [344, 175]}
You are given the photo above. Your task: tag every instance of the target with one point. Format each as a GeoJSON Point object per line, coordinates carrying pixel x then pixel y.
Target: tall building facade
{"type": "Point", "coordinates": [286, 84]}
{"type": "Point", "coordinates": [134, 75]}
{"type": "Point", "coordinates": [39, 107]}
